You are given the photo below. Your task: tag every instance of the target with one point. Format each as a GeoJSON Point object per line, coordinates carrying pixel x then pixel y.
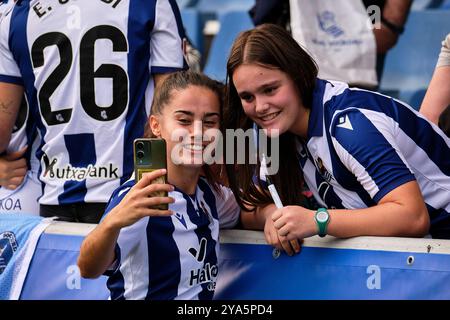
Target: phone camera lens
{"type": "Point", "coordinates": [140, 145]}
{"type": "Point", "coordinates": [140, 154]}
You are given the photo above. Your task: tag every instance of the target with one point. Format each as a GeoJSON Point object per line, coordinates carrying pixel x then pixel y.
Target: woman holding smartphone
{"type": "Point", "coordinates": [167, 254]}
{"type": "Point", "coordinates": [376, 166]}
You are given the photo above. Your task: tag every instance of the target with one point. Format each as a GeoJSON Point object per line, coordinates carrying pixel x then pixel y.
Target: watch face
{"type": "Point", "coordinates": [322, 216]}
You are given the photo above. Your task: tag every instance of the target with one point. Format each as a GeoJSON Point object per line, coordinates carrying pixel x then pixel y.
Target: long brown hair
{"type": "Point", "coordinates": [269, 46]}
{"type": "Point", "coordinates": [178, 81]}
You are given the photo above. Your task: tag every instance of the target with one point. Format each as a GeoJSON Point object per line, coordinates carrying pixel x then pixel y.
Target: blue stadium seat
{"type": "Point", "coordinates": [186, 3]}
{"type": "Point", "coordinates": [445, 5]}
{"type": "Point", "coordinates": [420, 4]}
{"type": "Point", "coordinates": [412, 97]}
{"type": "Point", "coordinates": [410, 64]}
{"type": "Point", "coordinates": [430, 4]}
{"type": "Point", "coordinates": [193, 27]}
{"type": "Point", "coordinates": [435, 4]}
{"type": "Point", "coordinates": [231, 24]}
{"type": "Point", "coordinates": [212, 9]}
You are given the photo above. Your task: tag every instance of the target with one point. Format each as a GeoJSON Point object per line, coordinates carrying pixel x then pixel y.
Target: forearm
{"type": "Point", "coordinates": [437, 97]}
{"type": "Point", "coordinates": [396, 11]}
{"type": "Point", "coordinates": [255, 220]}
{"type": "Point", "coordinates": [389, 219]}
{"type": "Point", "coordinates": [10, 98]}
{"type": "Point", "coordinates": [97, 250]}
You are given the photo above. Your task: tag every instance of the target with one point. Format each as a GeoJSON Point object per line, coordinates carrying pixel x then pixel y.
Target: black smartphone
{"type": "Point", "coordinates": [150, 155]}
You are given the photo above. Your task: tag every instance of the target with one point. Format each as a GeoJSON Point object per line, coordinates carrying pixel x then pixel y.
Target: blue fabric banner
{"type": "Point", "coordinates": [255, 271]}
{"type": "Point", "coordinates": [61, 280]}
{"type": "Point", "coordinates": [19, 234]}
{"type": "Point", "coordinates": [250, 271]}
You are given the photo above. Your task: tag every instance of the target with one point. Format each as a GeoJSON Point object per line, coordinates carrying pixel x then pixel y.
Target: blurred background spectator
{"type": "Point", "coordinates": [436, 104]}
{"type": "Point", "coordinates": [393, 17]}
{"type": "Point", "coordinates": [407, 68]}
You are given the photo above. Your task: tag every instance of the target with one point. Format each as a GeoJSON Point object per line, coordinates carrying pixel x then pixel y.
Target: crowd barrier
{"type": "Point", "coordinates": [328, 268]}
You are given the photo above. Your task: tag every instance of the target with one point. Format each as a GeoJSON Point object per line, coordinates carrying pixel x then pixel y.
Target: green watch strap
{"type": "Point", "coordinates": [322, 225]}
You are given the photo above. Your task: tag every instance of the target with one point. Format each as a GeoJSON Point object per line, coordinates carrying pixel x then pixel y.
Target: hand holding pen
{"type": "Point", "coordinates": [295, 244]}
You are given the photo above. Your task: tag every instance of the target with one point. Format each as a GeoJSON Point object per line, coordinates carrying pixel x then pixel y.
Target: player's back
{"type": "Point", "coordinates": [86, 66]}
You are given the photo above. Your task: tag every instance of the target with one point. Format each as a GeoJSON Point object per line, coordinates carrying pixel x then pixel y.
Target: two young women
{"type": "Point", "coordinates": [375, 165]}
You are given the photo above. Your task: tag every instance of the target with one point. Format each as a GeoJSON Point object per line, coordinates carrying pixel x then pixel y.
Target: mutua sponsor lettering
{"type": "Point", "coordinates": [205, 275]}
{"type": "Point", "coordinates": [78, 174]}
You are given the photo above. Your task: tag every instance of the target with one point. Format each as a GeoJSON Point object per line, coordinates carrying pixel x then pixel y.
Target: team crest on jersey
{"type": "Point", "coordinates": [104, 115]}
{"type": "Point", "coordinates": [323, 171]}
{"type": "Point", "coordinates": [68, 172]}
{"type": "Point", "coordinates": [8, 245]}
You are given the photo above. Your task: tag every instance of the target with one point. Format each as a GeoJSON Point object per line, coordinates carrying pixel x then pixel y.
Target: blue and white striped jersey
{"type": "Point", "coordinates": [3, 7]}
{"type": "Point", "coordinates": [86, 68]}
{"type": "Point", "coordinates": [362, 145]}
{"type": "Point", "coordinates": [166, 258]}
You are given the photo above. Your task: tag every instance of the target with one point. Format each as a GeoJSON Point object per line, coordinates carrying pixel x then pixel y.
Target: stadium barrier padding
{"type": "Point", "coordinates": [328, 268]}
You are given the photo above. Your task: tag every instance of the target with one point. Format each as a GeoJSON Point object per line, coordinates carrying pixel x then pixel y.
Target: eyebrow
{"type": "Point", "coordinates": [189, 113]}
{"type": "Point", "coordinates": [262, 87]}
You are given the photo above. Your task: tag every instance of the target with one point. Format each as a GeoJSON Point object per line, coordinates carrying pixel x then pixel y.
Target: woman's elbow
{"type": "Point", "coordinates": [86, 272]}
{"type": "Point", "coordinates": [421, 225]}
{"type": "Point", "coordinates": [88, 269]}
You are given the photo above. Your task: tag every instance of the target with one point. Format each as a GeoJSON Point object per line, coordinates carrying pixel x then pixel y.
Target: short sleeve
{"type": "Point", "coordinates": [227, 208]}
{"type": "Point", "coordinates": [367, 148]}
{"type": "Point", "coordinates": [9, 70]}
{"type": "Point", "coordinates": [130, 236]}
{"type": "Point", "coordinates": [115, 266]}
{"type": "Point", "coordinates": [166, 46]}
{"type": "Point", "coordinates": [118, 196]}
{"type": "Point", "coordinates": [444, 56]}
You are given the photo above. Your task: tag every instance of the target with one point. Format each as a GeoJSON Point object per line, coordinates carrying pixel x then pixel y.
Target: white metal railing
{"type": "Point", "coordinates": [419, 245]}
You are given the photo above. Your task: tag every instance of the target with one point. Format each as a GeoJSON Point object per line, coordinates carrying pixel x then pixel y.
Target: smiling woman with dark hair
{"type": "Point", "coordinates": [373, 163]}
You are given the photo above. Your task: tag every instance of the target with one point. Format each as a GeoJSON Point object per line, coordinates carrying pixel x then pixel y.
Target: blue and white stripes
{"type": "Point", "coordinates": [363, 145]}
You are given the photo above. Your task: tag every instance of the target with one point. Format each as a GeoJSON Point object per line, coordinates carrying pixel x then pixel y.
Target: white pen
{"type": "Point", "coordinates": [263, 173]}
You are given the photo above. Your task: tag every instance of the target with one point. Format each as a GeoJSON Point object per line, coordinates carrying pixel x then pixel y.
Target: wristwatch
{"type": "Point", "coordinates": [322, 218]}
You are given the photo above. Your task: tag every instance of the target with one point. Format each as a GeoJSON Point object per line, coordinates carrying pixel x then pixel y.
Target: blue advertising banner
{"type": "Point", "coordinates": [359, 268]}
{"type": "Point", "coordinates": [19, 235]}
{"type": "Point", "coordinates": [54, 274]}
{"type": "Point", "coordinates": [250, 272]}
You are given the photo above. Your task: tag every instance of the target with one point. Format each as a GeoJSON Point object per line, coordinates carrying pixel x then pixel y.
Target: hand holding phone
{"type": "Point", "coordinates": [150, 155]}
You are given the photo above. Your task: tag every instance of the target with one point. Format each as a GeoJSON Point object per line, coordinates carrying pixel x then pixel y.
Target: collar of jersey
{"type": "Point", "coordinates": [192, 196]}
